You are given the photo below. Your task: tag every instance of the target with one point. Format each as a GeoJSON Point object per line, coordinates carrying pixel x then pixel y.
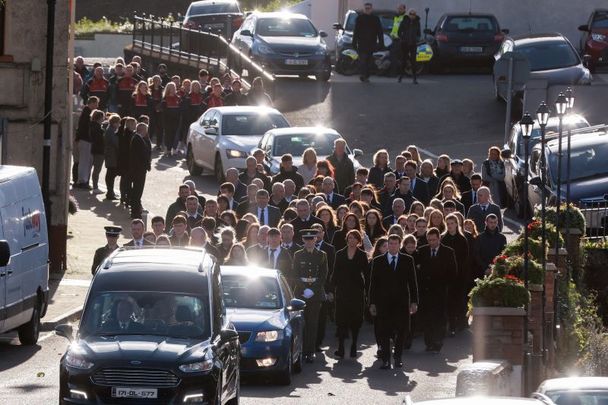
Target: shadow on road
{"type": "Point", "coordinates": [14, 354]}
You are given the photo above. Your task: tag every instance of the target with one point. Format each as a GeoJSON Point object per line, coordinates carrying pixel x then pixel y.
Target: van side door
{"type": "Point", "coordinates": [3, 270]}
{"type": "Point", "coordinates": [13, 308]}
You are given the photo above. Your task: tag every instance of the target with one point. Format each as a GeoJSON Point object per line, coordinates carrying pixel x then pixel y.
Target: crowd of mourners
{"type": "Point", "coordinates": [398, 244]}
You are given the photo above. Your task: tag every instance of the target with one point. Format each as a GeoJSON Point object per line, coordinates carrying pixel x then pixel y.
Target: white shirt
{"type": "Point", "coordinates": [390, 258]}
{"type": "Point", "coordinates": [138, 243]}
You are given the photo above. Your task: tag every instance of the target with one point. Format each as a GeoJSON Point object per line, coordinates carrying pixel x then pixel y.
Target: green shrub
{"type": "Point", "coordinates": [535, 230]}
{"type": "Point", "coordinates": [516, 248]}
{"type": "Point", "coordinates": [86, 27]}
{"type": "Point", "coordinates": [569, 217]}
{"type": "Point", "coordinates": [499, 292]}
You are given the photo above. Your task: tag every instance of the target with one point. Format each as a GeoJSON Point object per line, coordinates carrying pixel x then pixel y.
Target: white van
{"type": "Point", "coordinates": [24, 252]}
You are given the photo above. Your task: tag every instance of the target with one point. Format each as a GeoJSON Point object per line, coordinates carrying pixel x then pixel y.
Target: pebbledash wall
{"type": "Point", "coordinates": [520, 16]}
{"type": "Point", "coordinates": [22, 80]}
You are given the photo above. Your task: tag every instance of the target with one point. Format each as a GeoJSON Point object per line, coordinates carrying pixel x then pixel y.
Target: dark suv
{"type": "Point", "coordinates": [218, 16]}
{"type": "Point", "coordinates": [153, 330]}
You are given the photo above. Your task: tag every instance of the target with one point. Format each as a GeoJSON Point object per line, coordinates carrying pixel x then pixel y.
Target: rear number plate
{"type": "Point", "coordinates": [214, 26]}
{"type": "Point", "coordinates": [471, 49]}
{"type": "Point", "coordinates": [297, 62]}
{"type": "Point", "coordinates": [140, 393]}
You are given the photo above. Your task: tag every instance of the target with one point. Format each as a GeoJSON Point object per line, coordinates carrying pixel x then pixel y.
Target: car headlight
{"type": "Point", "coordinates": [198, 367]}
{"type": "Point", "coordinates": [234, 154]}
{"type": "Point", "coordinates": [269, 336]}
{"type": "Point", "coordinates": [321, 51]}
{"type": "Point", "coordinates": [598, 37]}
{"type": "Point", "coordinates": [265, 49]}
{"type": "Point", "coordinates": [77, 361]}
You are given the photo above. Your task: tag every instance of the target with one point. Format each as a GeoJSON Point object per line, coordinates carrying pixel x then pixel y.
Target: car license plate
{"type": "Point", "coordinates": [296, 62]}
{"type": "Point", "coordinates": [471, 49]}
{"type": "Point", "coordinates": [140, 393]}
{"type": "Point", "coordinates": [214, 26]}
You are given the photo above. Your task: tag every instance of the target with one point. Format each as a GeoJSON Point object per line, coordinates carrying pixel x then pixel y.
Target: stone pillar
{"type": "Point", "coordinates": [559, 259]}
{"type": "Point", "coordinates": [535, 317]}
{"type": "Point", "coordinates": [550, 297]}
{"type": "Point", "coordinates": [572, 239]}
{"type": "Point", "coordinates": [498, 333]}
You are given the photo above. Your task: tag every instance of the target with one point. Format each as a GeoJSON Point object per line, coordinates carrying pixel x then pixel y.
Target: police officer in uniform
{"type": "Point", "coordinates": [112, 234]}
{"type": "Point", "coordinates": [309, 273]}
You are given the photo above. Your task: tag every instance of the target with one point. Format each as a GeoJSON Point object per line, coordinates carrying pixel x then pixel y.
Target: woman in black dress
{"type": "Point", "coordinates": [348, 284]}
{"type": "Point", "coordinates": [350, 222]}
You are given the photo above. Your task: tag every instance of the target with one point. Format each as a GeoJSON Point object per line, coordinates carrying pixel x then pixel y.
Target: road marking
{"type": "Point", "coordinates": [428, 152]}
{"type": "Point", "coordinates": [75, 282]}
{"type": "Point", "coordinates": [45, 336]}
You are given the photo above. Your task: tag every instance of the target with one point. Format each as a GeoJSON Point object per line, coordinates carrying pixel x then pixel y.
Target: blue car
{"type": "Point", "coordinates": [268, 319]}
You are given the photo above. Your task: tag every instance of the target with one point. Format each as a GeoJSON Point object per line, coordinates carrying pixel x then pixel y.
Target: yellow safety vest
{"type": "Point", "coordinates": [396, 23]}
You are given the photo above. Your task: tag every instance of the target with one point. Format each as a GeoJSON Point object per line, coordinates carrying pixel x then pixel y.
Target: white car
{"type": "Point", "coordinates": [575, 390]}
{"type": "Point", "coordinates": [223, 137]}
{"type": "Point", "coordinates": [296, 140]}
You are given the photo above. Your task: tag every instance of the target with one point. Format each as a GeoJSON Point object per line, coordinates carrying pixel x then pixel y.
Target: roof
{"type": "Point", "coordinates": [537, 38]}
{"type": "Point", "coordinates": [11, 172]}
{"type": "Point", "coordinates": [579, 139]}
{"type": "Point", "coordinates": [240, 109]}
{"type": "Point", "coordinates": [481, 401]}
{"type": "Point", "coordinates": [248, 271]}
{"type": "Point", "coordinates": [280, 14]}
{"type": "Point", "coordinates": [203, 2]}
{"type": "Point", "coordinates": [303, 130]}
{"type": "Point", "coordinates": [574, 383]}
{"type": "Point", "coordinates": [469, 15]}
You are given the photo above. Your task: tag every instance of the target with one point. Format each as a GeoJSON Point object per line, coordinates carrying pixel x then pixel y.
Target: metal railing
{"type": "Point", "coordinates": [194, 47]}
{"type": "Point", "coordinates": [596, 217]}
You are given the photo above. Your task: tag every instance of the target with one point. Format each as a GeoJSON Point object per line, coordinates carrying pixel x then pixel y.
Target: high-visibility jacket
{"type": "Point", "coordinates": [396, 23]}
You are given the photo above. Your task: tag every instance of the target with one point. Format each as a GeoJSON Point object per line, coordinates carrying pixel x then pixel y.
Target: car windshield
{"type": "Point", "coordinates": [587, 161]}
{"type": "Point", "coordinates": [579, 397]}
{"type": "Point", "coordinates": [296, 144]}
{"type": "Point", "coordinates": [385, 19]}
{"type": "Point", "coordinates": [549, 55]}
{"type": "Point", "coordinates": [214, 8]}
{"type": "Point", "coordinates": [251, 124]}
{"type": "Point", "coordinates": [470, 24]}
{"type": "Point", "coordinates": [251, 292]}
{"type": "Point", "coordinates": [600, 21]}
{"type": "Point", "coordinates": [574, 123]}
{"type": "Point", "coordinates": [285, 27]}
{"type": "Point", "coordinates": [146, 313]}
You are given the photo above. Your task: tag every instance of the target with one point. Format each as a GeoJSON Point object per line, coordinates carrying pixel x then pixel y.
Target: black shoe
{"type": "Point", "coordinates": [379, 353]}
{"type": "Point", "coordinates": [111, 197]}
{"type": "Point", "coordinates": [386, 365]}
{"type": "Point", "coordinates": [353, 352]}
{"type": "Point", "coordinates": [339, 353]}
{"type": "Point", "coordinates": [398, 363]}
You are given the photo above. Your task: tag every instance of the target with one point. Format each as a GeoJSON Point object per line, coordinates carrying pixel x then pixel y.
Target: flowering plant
{"type": "Point", "coordinates": [499, 292]}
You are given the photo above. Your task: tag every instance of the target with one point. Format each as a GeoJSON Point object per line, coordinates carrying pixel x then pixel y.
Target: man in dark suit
{"type": "Point", "coordinates": [274, 257]}
{"type": "Point", "coordinates": [137, 233]}
{"type": "Point", "coordinates": [251, 172]}
{"type": "Point", "coordinates": [385, 195]}
{"type": "Point", "coordinates": [287, 243]}
{"type": "Point", "coordinates": [469, 198]}
{"type": "Point", "coordinates": [194, 218]}
{"type": "Point", "coordinates": [112, 234]}
{"type": "Point", "coordinates": [248, 200]}
{"type": "Point", "coordinates": [437, 270]}
{"type": "Point", "coordinates": [304, 220]}
{"type": "Point", "coordinates": [393, 295]}
{"type": "Point", "coordinates": [327, 306]}
{"type": "Point", "coordinates": [398, 210]}
{"type": "Point", "coordinates": [240, 189]}
{"type": "Point", "coordinates": [333, 199]}
{"type": "Point", "coordinates": [266, 214]}
{"type": "Point", "coordinates": [487, 246]}
{"type": "Point", "coordinates": [277, 198]}
{"type": "Point", "coordinates": [123, 320]}
{"type": "Point", "coordinates": [484, 207]}
{"type": "Point", "coordinates": [177, 206]}
{"type": "Point", "coordinates": [139, 164]}
{"type": "Point", "coordinates": [419, 188]}
{"type": "Point", "coordinates": [227, 190]}
{"type": "Point", "coordinates": [404, 192]}
{"type": "Point", "coordinates": [427, 175]}
{"type": "Point", "coordinates": [399, 166]}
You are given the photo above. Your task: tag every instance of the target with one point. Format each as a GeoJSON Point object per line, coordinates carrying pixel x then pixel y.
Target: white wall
{"type": "Point", "coordinates": [520, 16]}
{"type": "Point", "coordinates": [103, 46]}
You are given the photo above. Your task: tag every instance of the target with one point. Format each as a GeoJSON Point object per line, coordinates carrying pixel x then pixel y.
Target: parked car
{"type": "Point", "coordinates": [552, 58]}
{"type": "Point", "coordinates": [513, 154]}
{"type": "Point", "coordinates": [296, 140]}
{"type": "Point", "coordinates": [223, 137]}
{"type": "Point", "coordinates": [269, 320]}
{"type": "Point", "coordinates": [576, 390]}
{"type": "Point", "coordinates": [284, 44]}
{"type": "Point", "coordinates": [222, 17]}
{"type": "Point", "coordinates": [465, 38]}
{"type": "Point", "coordinates": [24, 253]}
{"type": "Point", "coordinates": [483, 401]}
{"type": "Point", "coordinates": [589, 172]}
{"type": "Point", "coordinates": [344, 31]}
{"type": "Point", "coordinates": [594, 38]}
{"type": "Point", "coordinates": [154, 329]}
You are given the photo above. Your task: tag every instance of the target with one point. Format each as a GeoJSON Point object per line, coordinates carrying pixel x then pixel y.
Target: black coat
{"type": "Point", "coordinates": [96, 134]}
{"type": "Point", "coordinates": [409, 31]}
{"type": "Point", "coordinates": [420, 190]}
{"type": "Point", "coordinates": [273, 214]}
{"type": "Point", "coordinates": [348, 285]}
{"type": "Point", "coordinates": [124, 144]}
{"type": "Point", "coordinates": [376, 176]}
{"type": "Point", "coordinates": [393, 291]}
{"type": "Point", "coordinates": [139, 156]}
{"type": "Point", "coordinates": [336, 200]}
{"type": "Point", "coordinates": [330, 251]}
{"type": "Point", "coordinates": [368, 35]}
{"type": "Point", "coordinates": [433, 185]}
{"type": "Point", "coordinates": [460, 246]}
{"type": "Point", "coordinates": [84, 123]}
{"type": "Point", "coordinates": [299, 224]}
{"type": "Point", "coordinates": [436, 274]}
{"type": "Point", "coordinates": [408, 198]}
{"type": "Point", "coordinates": [292, 175]}
{"type": "Point", "coordinates": [462, 182]}
{"type": "Point", "coordinates": [344, 171]}
{"type": "Point", "coordinates": [488, 245]}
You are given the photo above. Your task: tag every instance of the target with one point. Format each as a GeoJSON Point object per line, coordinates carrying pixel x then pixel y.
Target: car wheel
{"type": "Point", "coordinates": [323, 77]}
{"type": "Point", "coordinates": [218, 169]}
{"type": "Point", "coordinates": [193, 168]}
{"type": "Point", "coordinates": [285, 375]}
{"type": "Point", "coordinates": [28, 333]}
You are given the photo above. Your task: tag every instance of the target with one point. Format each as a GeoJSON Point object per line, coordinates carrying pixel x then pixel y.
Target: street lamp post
{"type": "Point", "coordinates": [570, 100]}
{"type": "Point", "coordinates": [561, 104]}
{"type": "Point", "coordinates": [526, 124]}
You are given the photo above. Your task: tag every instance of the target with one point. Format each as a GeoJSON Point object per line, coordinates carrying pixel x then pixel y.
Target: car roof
{"type": "Point", "coordinates": [11, 172]}
{"type": "Point", "coordinates": [303, 130]}
{"type": "Point", "coordinates": [481, 401]}
{"type": "Point", "coordinates": [553, 122]}
{"type": "Point", "coordinates": [206, 2]}
{"type": "Point", "coordinates": [279, 14]}
{"type": "Point", "coordinates": [574, 383]}
{"type": "Point", "coordinates": [527, 39]}
{"type": "Point", "coordinates": [469, 15]}
{"type": "Point", "coordinates": [248, 271]}
{"type": "Point", "coordinates": [579, 139]}
{"type": "Point", "coordinates": [240, 109]}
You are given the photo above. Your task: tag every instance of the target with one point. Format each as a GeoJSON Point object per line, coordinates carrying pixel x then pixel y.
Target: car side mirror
{"type": "Point", "coordinates": [296, 305]}
{"type": "Point", "coordinates": [337, 26]}
{"type": "Point", "coordinates": [506, 153]}
{"type": "Point", "coordinates": [536, 181]}
{"type": "Point", "coordinates": [584, 28]}
{"type": "Point", "coordinates": [227, 335]}
{"type": "Point", "coordinates": [5, 253]}
{"type": "Point", "coordinates": [357, 153]}
{"type": "Point", "coordinates": [428, 31]}
{"type": "Point", "coordinates": [323, 34]}
{"type": "Point", "coordinates": [505, 31]}
{"type": "Point", "coordinates": [246, 33]}
{"type": "Point", "coordinates": [211, 131]}
{"type": "Point", "coordinates": [65, 330]}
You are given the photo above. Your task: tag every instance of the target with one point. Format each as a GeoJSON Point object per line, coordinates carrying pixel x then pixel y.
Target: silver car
{"type": "Point", "coordinates": [552, 57]}
{"type": "Point", "coordinates": [576, 390]}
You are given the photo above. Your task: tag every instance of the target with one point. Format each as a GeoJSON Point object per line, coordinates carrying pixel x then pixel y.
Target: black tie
{"type": "Point", "coordinates": [262, 216]}
{"type": "Point", "coordinates": [483, 208]}
{"type": "Point", "coordinates": [271, 258]}
{"type": "Point", "coordinates": [433, 252]}
{"type": "Point", "coordinates": [394, 263]}
{"type": "Point", "coordinates": [474, 197]}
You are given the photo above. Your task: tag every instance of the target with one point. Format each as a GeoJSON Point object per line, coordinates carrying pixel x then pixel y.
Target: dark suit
{"type": "Point", "coordinates": [467, 199]}
{"type": "Point", "coordinates": [131, 243]}
{"type": "Point", "coordinates": [100, 255]}
{"type": "Point", "coordinates": [436, 274]}
{"type": "Point", "coordinates": [388, 221]}
{"type": "Point", "coordinates": [299, 224]}
{"type": "Point", "coordinates": [283, 263]}
{"type": "Point", "coordinates": [194, 221]}
{"type": "Point", "coordinates": [392, 292]}
{"type": "Point", "coordinates": [273, 215]}
{"type": "Point", "coordinates": [478, 215]}
{"type": "Point", "coordinates": [433, 185]}
{"type": "Point", "coordinates": [281, 205]}
{"type": "Point", "coordinates": [240, 190]}
{"type": "Point", "coordinates": [243, 207]}
{"type": "Point", "coordinates": [326, 307]}
{"type": "Point", "coordinates": [258, 254]}
{"type": "Point", "coordinates": [336, 200]}
{"type": "Point", "coordinates": [292, 249]}
{"type": "Point", "coordinates": [139, 165]}
{"type": "Point", "coordinates": [420, 190]}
